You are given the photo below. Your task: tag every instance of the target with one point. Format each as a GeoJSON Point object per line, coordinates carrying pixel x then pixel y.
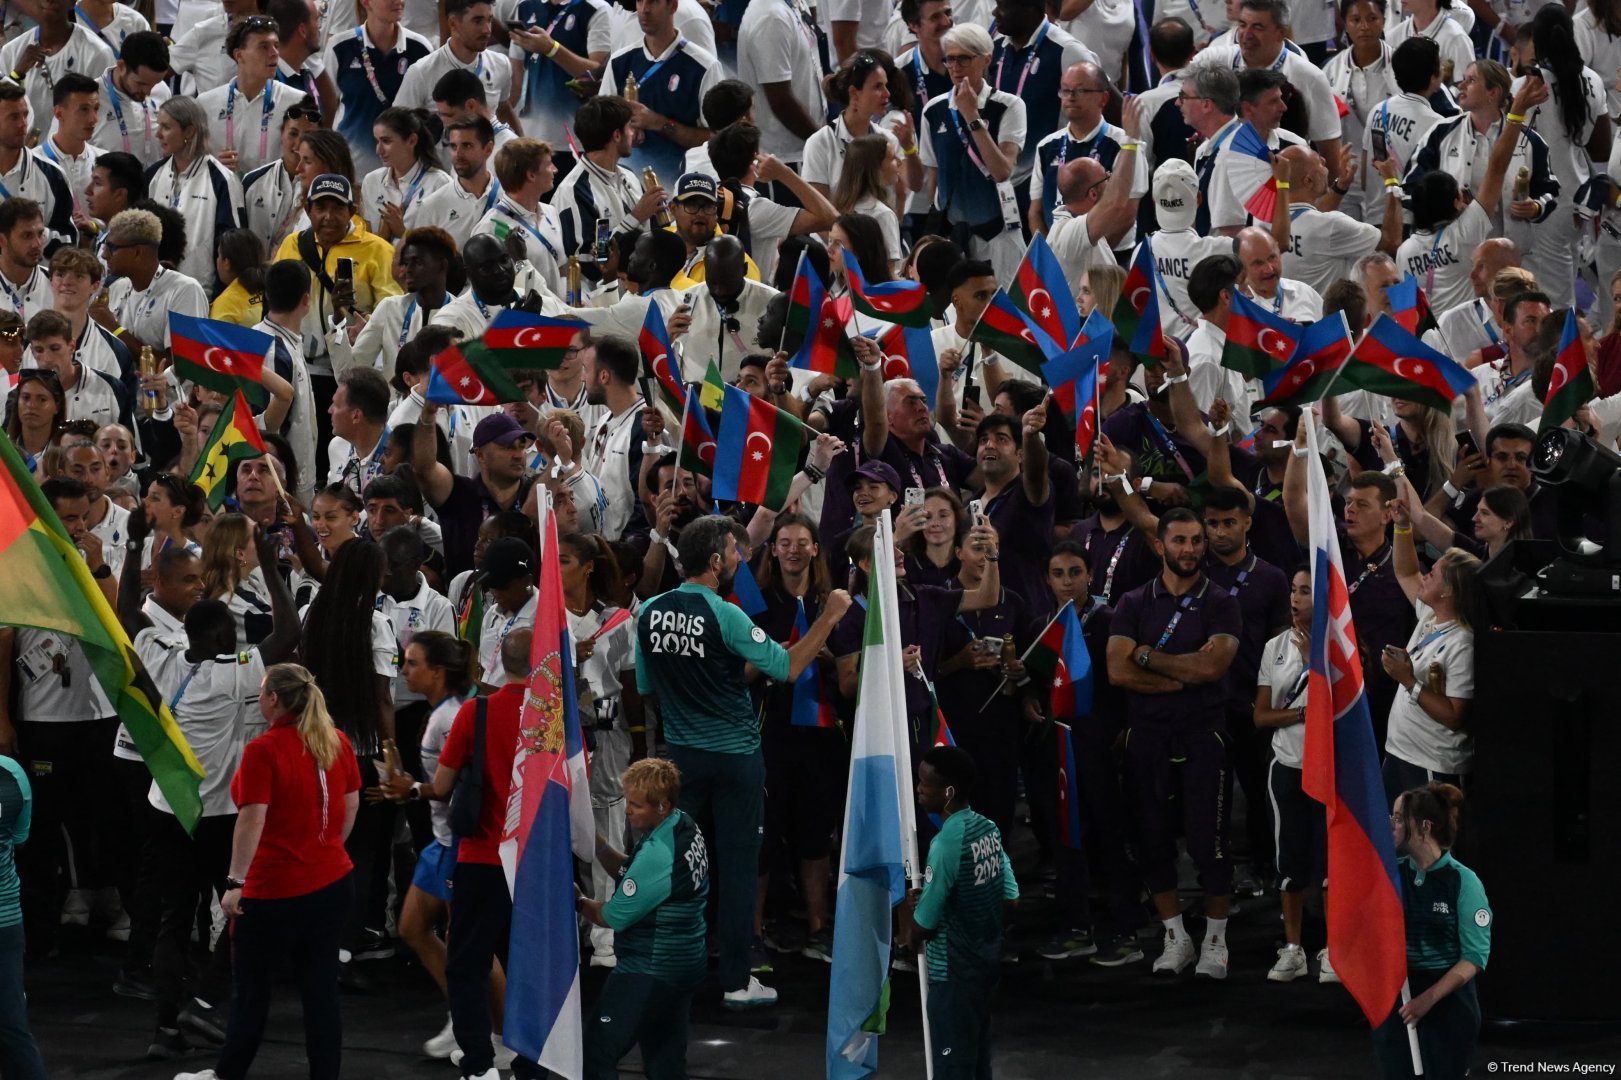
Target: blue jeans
{"type": "Point", "coordinates": [19, 1054]}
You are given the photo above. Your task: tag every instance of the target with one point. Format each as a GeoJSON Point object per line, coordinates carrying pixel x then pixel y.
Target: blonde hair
{"type": "Point", "coordinates": [229, 534]}
{"type": "Point", "coordinates": [1106, 283]}
{"type": "Point", "coordinates": [656, 778]}
{"type": "Point", "coordinates": [1511, 281]}
{"type": "Point", "coordinates": [295, 688]}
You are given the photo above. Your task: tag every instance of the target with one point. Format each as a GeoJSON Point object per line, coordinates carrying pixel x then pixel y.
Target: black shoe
{"type": "Point", "coordinates": [135, 984]}
{"type": "Point", "coordinates": [373, 945]}
{"type": "Point", "coordinates": [350, 979]}
{"type": "Point", "coordinates": [1118, 951]}
{"type": "Point", "coordinates": [167, 1044]}
{"type": "Point", "coordinates": [202, 1021]}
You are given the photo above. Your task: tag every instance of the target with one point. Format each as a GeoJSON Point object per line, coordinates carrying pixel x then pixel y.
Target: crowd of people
{"type": "Point", "coordinates": [371, 182]}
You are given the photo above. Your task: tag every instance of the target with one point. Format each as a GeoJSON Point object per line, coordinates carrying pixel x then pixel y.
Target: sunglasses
{"type": "Point", "coordinates": [11, 333]}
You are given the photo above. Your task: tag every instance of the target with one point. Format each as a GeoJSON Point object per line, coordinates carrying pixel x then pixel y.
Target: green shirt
{"type": "Point", "coordinates": [1448, 918]}
{"type": "Point", "coordinates": [691, 650]}
{"type": "Point", "coordinates": [657, 909]}
{"type": "Point", "coordinates": [16, 812]}
{"type": "Point", "coordinates": [967, 879]}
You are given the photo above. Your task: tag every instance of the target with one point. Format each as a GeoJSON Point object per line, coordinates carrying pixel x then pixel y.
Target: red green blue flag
{"type": "Point", "coordinates": [697, 452]}
{"type": "Point", "coordinates": [1571, 384]}
{"type": "Point", "coordinates": [1319, 358]}
{"type": "Point", "coordinates": [1259, 342]}
{"type": "Point", "coordinates": [1043, 292]}
{"type": "Point", "coordinates": [811, 707]}
{"type": "Point", "coordinates": [1409, 306]}
{"type": "Point", "coordinates": [658, 359]}
{"type": "Point", "coordinates": [1136, 313]}
{"type": "Point", "coordinates": [1004, 328]}
{"type": "Point", "coordinates": [524, 341]}
{"type": "Point", "coordinates": [909, 354]}
{"type": "Point", "coordinates": [1393, 362]}
{"type": "Point", "coordinates": [758, 451]}
{"type": "Point", "coordinates": [1075, 379]}
{"type": "Point", "coordinates": [904, 302]}
{"type": "Point", "coordinates": [1060, 656]}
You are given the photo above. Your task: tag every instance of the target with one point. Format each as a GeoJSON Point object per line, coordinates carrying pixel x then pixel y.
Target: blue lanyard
{"type": "Point", "coordinates": [89, 23]}
{"type": "Point", "coordinates": [1486, 321]}
{"type": "Point", "coordinates": [1181, 610]}
{"type": "Point", "coordinates": [1431, 636]}
{"type": "Point", "coordinates": [517, 215]}
{"type": "Point", "coordinates": [680, 44]}
{"type": "Point", "coordinates": [918, 77]}
{"type": "Point", "coordinates": [416, 186]}
{"type": "Point", "coordinates": [493, 194]}
{"type": "Point", "coordinates": [410, 310]}
{"type": "Point", "coordinates": [181, 692]}
{"type": "Point", "coordinates": [22, 163]}
{"type": "Point", "coordinates": [1170, 444]}
{"type": "Point", "coordinates": [264, 117]}
{"type": "Point", "coordinates": [118, 111]}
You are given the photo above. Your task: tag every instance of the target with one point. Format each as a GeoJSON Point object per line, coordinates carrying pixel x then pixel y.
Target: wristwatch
{"type": "Point", "coordinates": [234, 883]}
{"type": "Point", "coordinates": [1142, 658]}
{"type": "Point", "coordinates": [976, 124]}
{"type": "Point", "coordinates": [102, 572]}
{"type": "Point", "coordinates": [416, 791]}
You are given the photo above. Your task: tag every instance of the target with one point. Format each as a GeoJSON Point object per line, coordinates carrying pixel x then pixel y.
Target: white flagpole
{"type": "Point", "coordinates": [1412, 1032]}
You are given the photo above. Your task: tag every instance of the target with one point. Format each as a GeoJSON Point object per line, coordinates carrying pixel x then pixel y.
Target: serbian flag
{"type": "Point", "coordinates": [1069, 790]}
{"type": "Point", "coordinates": [1005, 329]}
{"type": "Point", "coordinates": [524, 341]}
{"type": "Point", "coordinates": [658, 359]}
{"type": "Point", "coordinates": [1259, 342]}
{"type": "Point", "coordinates": [548, 826]}
{"type": "Point", "coordinates": [1393, 362]}
{"type": "Point", "coordinates": [1367, 941]}
{"type": "Point", "coordinates": [909, 354]}
{"type": "Point", "coordinates": [468, 373]}
{"type": "Point", "coordinates": [1319, 358]}
{"type": "Point", "coordinates": [1136, 313]}
{"type": "Point", "coordinates": [1074, 378]}
{"type": "Point", "coordinates": [1060, 656]}
{"type": "Point", "coordinates": [758, 451]}
{"type": "Point", "coordinates": [1409, 306]}
{"type": "Point", "coordinates": [1043, 292]}
{"type": "Point", "coordinates": [811, 707]}
{"type": "Point", "coordinates": [219, 355]}
{"type": "Point", "coordinates": [904, 303]}
{"type": "Point", "coordinates": [1571, 384]}
{"type": "Point", "coordinates": [746, 592]}
{"type": "Point", "coordinates": [1250, 166]}
{"type": "Point", "coordinates": [697, 452]}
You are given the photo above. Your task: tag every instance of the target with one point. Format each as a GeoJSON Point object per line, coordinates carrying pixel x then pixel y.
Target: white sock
{"type": "Point", "coordinates": [1174, 926]}
{"type": "Point", "coordinates": [1215, 930]}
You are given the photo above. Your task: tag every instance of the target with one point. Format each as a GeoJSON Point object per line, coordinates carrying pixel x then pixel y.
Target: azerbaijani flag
{"type": "Point", "coordinates": [1074, 378]}
{"type": "Point", "coordinates": [820, 321]}
{"type": "Point", "coordinates": [903, 302]}
{"type": "Point", "coordinates": [1367, 939]}
{"type": "Point", "coordinates": [1410, 307]}
{"type": "Point", "coordinates": [1136, 313]}
{"type": "Point", "coordinates": [810, 705]}
{"type": "Point", "coordinates": [805, 297]}
{"type": "Point", "coordinates": [235, 438]}
{"type": "Point", "coordinates": [756, 472]}
{"type": "Point", "coordinates": [219, 355]}
{"type": "Point", "coordinates": [1393, 362]}
{"type": "Point", "coordinates": [697, 451]}
{"type": "Point", "coordinates": [909, 354]}
{"type": "Point", "coordinates": [48, 587]}
{"type": "Point", "coordinates": [548, 826]}
{"type": "Point", "coordinates": [1005, 329]}
{"type": "Point", "coordinates": [878, 853]}
{"type": "Point", "coordinates": [658, 359]}
{"type": "Point", "coordinates": [1319, 358]}
{"type": "Point", "coordinates": [1259, 342]}
{"type": "Point", "coordinates": [1060, 656]}
{"type": "Point", "coordinates": [1043, 292]}
{"type": "Point", "coordinates": [1069, 790]}
{"type": "Point", "coordinates": [1571, 384]}
{"type": "Point", "coordinates": [526, 342]}
{"type": "Point", "coordinates": [746, 592]}
{"type": "Point", "coordinates": [468, 373]}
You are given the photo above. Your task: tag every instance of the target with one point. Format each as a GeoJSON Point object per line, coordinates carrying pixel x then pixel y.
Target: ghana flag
{"type": "Point", "coordinates": [48, 587]}
{"type": "Point", "coordinates": [758, 452]}
{"type": "Point", "coordinates": [235, 438]}
{"type": "Point", "coordinates": [523, 341]}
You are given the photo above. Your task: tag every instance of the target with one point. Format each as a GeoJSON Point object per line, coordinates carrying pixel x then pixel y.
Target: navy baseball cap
{"type": "Point", "coordinates": [332, 186]}
{"type": "Point", "coordinates": [695, 185]}
{"type": "Point", "coordinates": [881, 472]}
{"type": "Point", "coordinates": [498, 428]}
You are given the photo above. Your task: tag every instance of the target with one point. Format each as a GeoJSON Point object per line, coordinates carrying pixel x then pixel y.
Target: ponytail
{"type": "Point", "coordinates": [451, 655]}
{"type": "Point", "coordinates": [295, 688]}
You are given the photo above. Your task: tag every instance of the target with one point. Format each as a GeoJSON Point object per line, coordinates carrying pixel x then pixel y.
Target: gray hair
{"type": "Point", "coordinates": [702, 540]}
{"type": "Point", "coordinates": [972, 39]}
{"type": "Point", "coordinates": [896, 387]}
{"type": "Point", "coordinates": [1372, 259]}
{"type": "Point", "coordinates": [191, 117]}
{"type": "Point", "coordinates": [1217, 84]}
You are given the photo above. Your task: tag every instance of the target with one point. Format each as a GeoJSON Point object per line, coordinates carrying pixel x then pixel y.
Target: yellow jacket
{"type": "Point", "coordinates": [374, 276]}
{"type": "Point", "coordinates": [237, 305]}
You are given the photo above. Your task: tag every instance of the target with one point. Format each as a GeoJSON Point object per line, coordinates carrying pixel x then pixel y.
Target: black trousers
{"type": "Point", "coordinates": [960, 1028]}
{"type": "Point", "coordinates": [370, 846]}
{"type": "Point", "coordinates": [1446, 1035]}
{"type": "Point", "coordinates": [190, 868]}
{"type": "Point", "coordinates": [480, 926]}
{"type": "Point", "coordinates": [1103, 832]}
{"type": "Point", "coordinates": [141, 893]}
{"type": "Point", "coordinates": [1249, 752]}
{"type": "Point", "coordinates": [639, 1009]}
{"type": "Point", "coordinates": [304, 930]}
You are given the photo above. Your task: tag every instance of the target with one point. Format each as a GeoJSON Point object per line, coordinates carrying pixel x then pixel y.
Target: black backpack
{"type": "Point", "coordinates": [467, 798]}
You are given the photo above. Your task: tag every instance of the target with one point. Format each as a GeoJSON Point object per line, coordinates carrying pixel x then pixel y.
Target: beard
{"type": "Point", "coordinates": [726, 583]}
{"type": "Point", "coordinates": [1106, 503]}
{"type": "Point", "coordinates": [1175, 566]}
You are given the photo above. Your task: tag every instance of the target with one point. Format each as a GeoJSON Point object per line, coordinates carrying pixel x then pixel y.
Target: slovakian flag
{"type": "Point", "coordinates": [1060, 656]}
{"type": "Point", "coordinates": [811, 707]}
{"type": "Point", "coordinates": [524, 341]}
{"type": "Point", "coordinates": [1410, 307]}
{"type": "Point", "coordinates": [1069, 789]}
{"type": "Point", "coordinates": [1136, 313]}
{"type": "Point", "coordinates": [909, 354]}
{"type": "Point", "coordinates": [1320, 356]}
{"type": "Point", "coordinates": [758, 451]}
{"type": "Point", "coordinates": [658, 360]}
{"type": "Point", "coordinates": [1075, 378]}
{"type": "Point", "coordinates": [697, 450]}
{"type": "Point", "coordinates": [903, 302]}
{"type": "Point", "coordinates": [468, 373]}
{"type": "Point", "coordinates": [1571, 385]}
{"type": "Point", "coordinates": [219, 355]}
{"type": "Point", "coordinates": [1005, 329]}
{"type": "Point", "coordinates": [1367, 939]}
{"type": "Point", "coordinates": [1393, 362]}
{"type": "Point", "coordinates": [1250, 164]}
{"type": "Point", "coordinates": [746, 594]}
{"type": "Point", "coordinates": [1043, 292]}
{"type": "Point", "coordinates": [1259, 342]}
{"type": "Point", "coordinates": [548, 825]}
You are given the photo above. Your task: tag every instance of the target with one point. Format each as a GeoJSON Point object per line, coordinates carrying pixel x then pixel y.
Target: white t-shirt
{"type": "Point", "coordinates": [1412, 735]}
{"type": "Point", "coordinates": [379, 188]}
{"type": "Point", "coordinates": [146, 313]}
{"type": "Point", "coordinates": [492, 68]}
{"type": "Point", "coordinates": [1323, 247]}
{"type": "Point", "coordinates": [1405, 119]}
{"type": "Point", "coordinates": [209, 699]}
{"type": "Point", "coordinates": [494, 630]}
{"type": "Point", "coordinates": [434, 734]}
{"type": "Point", "coordinates": [1281, 669]}
{"type": "Point", "coordinates": [1449, 35]}
{"type": "Point", "coordinates": [776, 45]}
{"type": "Point", "coordinates": [51, 696]}
{"type": "Point", "coordinates": [1600, 49]}
{"type": "Point", "coordinates": [1176, 252]}
{"type": "Point", "coordinates": [1293, 300]}
{"type": "Point", "coordinates": [1568, 156]}
{"type": "Point", "coordinates": [1440, 258]}
{"type": "Point", "coordinates": [427, 610]}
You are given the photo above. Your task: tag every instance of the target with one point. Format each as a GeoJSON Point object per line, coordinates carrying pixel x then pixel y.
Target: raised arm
{"type": "Point", "coordinates": [285, 630]}
{"type": "Point", "coordinates": [1404, 553]}
{"type": "Point", "coordinates": [990, 586]}
{"type": "Point", "coordinates": [1116, 463]}
{"type": "Point", "coordinates": [435, 480]}
{"type": "Point", "coordinates": [1037, 480]}
{"type": "Point", "coordinates": [1533, 91]}
{"type": "Point", "coordinates": [806, 649]}
{"type": "Point", "coordinates": [874, 418]}
{"type": "Point", "coordinates": [1294, 487]}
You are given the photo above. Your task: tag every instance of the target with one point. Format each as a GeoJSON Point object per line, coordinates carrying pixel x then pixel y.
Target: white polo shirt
{"type": "Point", "coordinates": [211, 700]}
{"type": "Point", "coordinates": [1412, 735]}
{"type": "Point", "coordinates": [492, 68]}
{"type": "Point", "coordinates": [47, 695]}
{"type": "Point", "coordinates": [776, 44]}
{"type": "Point", "coordinates": [493, 632]}
{"type": "Point", "coordinates": [1323, 247]}
{"type": "Point", "coordinates": [454, 209]}
{"type": "Point", "coordinates": [173, 632]}
{"type": "Point", "coordinates": [84, 54]}
{"type": "Point", "coordinates": [1293, 300]}
{"type": "Point", "coordinates": [379, 188]}
{"type": "Point", "coordinates": [542, 237]}
{"type": "Point", "coordinates": [247, 124]}
{"type": "Point", "coordinates": [146, 313]}
{"type": "Point", "coordinates": [129, 125]}
{"type": "Point", "coordinates": [1441, 258]}
{"type": "Point", "coordinates": [427, 610]}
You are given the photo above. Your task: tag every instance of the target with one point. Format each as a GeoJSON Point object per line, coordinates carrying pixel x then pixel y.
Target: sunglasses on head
{"type": "Point", "coordinates": [11, 333]}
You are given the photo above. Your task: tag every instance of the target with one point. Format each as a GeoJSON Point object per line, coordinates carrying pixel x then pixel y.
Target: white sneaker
{"type": "Point", "coordinates": [206, 1074]}
{"type": "Point", "coordinates": [443, 1044]}
{"type": "Point", "coordinates": [119, 930]}
{"type": "Point", "coordinates": [487, 1074]}
{"type": "Point", "coordinates": [504, 1054]}
{"type": "Point", "coordinates": [605, 959]}
{"type": "Point", "coordinates": [1175, 957]}
{"type": "Point", "coordinates": [1325, 970]}
{"type": "Point", "coordinates": [753, 996]}
{"type": "Point", "coordinates": [1213, 959]}
{"type": "Point", "coordinates": [76, 908]}
{"type": "Point", "coordinates": [1290, 966]}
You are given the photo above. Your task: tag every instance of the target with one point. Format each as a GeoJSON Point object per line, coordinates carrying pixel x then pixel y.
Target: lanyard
{"type": "Point", "coordinates": [365, 62]}
{"type": "Point", "coordinates": [1370, 568]}
{"type": "Point", "coordinates": [1181, 609]}
{"type": "Point", "coordinates": [1486, 321]}
{"type": "Point", "coordinates": [18, 299]}
{"type": "Point", "coordinates": [1243, 575]}
{"type": "Point", "coordinates": [1440, 631]}
{"type": "Point", "coordinates": [1277, 65]}
{"type": "Point", "coordinates": [118, 111]}
{"type": "Point", "coordinates": [1429, 269]}
{"type": "Point", "coordinates": [22, 179]}
{"type": "Point", "coordinates": [1298, 688]}
{"type": "Point", "coordinates": [1114, 562]}
{"type": "Point", "coordinates": [89, 23]}
{"type": "Point", "coordinates": [1029, 60]}
{"type": "Point", "coordinates": [416, 186]}
{"type": "Point", "coordinates": [680, 44]}
{"type": "Point", "coordinates": [181, 692]}
{"type": "Point", "coordinates": [517, 215]}
{"type": "Point", "coordinates": [918, 77]}
{"type": "Point", "coordinates": [50, 152]}
{"type": "Point", "coordinates": [1209, 30]}
{"type": "Point", "coordinates": [1170, 444]}
{"type": "Point", "coordinates": [410, 311]}
{"type": "Point", "coordinates": [493, 194]}
{"type": "Point", "coordinates": [264, 118]}
{"type": "Point", "coordinates": [967, 142]}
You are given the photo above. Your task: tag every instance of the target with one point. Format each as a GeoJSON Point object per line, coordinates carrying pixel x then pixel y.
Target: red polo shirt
{"type": "Point", "coordinates": [301, 848]}
{"type": "Point", "coordinates": [500, 747]}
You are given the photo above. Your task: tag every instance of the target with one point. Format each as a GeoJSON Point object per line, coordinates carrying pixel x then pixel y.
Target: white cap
{"type": "Point", "coordinates": [1176, 195]}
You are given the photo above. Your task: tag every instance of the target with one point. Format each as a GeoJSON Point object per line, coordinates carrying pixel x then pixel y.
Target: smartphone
{"type": "Point", "coordinates": [346, 271]}
{"type": "Point", "coordinates": [604, 235]}
{"type": "Point", "coordinates": [914, 496]}
{"type": "Point", "coordinates": [284, 541]}
{"type": "Point", "coordinates": [976, 511]}
{"type": "Point", "coordinates": [1466, 443]}
{"type": "Point", "coordinates": [970, 391]}
{"type": "Point", "coordinates": [1381, 145]}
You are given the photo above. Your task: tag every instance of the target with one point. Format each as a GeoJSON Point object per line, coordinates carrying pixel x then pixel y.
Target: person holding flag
{"type": "Point", "coordinates": [694, 651]}
{"type": "Point", "coordinates": [656, 913]}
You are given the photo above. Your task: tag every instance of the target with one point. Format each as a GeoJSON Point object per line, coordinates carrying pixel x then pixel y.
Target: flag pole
{"type": "Point", "coordinates": [1412, 1031]}
{"type": "Point", "coordinates": [1027, 652]}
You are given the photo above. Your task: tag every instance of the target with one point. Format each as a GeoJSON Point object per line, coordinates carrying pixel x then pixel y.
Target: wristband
{"type": "Point", "coordinates": [910, 151]}
{"type": "Point", "coordinates": [1515, 118]}
{"type": "Point", "coordinates": [874, 366]}
{"type": "Point", "coordinates": [1404, 530]}
{"type": "Point", "coordinates": [1222, 431]}
{"type": "Point", "coordinates": [1144, 485]}
{"type": "Point", "coordinates": [1391, 181]}
{"type": "Point", "coordinates": [557, 47]}
{"type": "Point", "coordinates": [1415, 691]}
{"type": "Point", "coordinates": [1281, 185]}
{"type": "Point", "coordinates": [1129, 146]}
{"type": "Point", "coordinates": [120, 332]}
{"type": "Point", "coordinates": [1395, 470]}
{"type": "Point", "coordinates": [16, 76]}
{"type": "Point", "coordinates": [816, 474]}
{"type": "Point", "coordinates": [1172, 380]}
{"type": "Point", "coordinates": [654, 537]}
{"type": "Point", "coordinates": [1301, 451]}
{"type": "Point", "coordinates": [234, 883]}
{"type": "Point", "coordinates": [1119, 478]}
{"type": "Point", "coordinates": [1452, 492]}
{"type": "Point", "coordinates": [656, 449]}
